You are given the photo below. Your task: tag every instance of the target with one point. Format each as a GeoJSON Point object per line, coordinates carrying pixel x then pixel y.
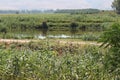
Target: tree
{"type": "Point", "coordinates": [116, 5]}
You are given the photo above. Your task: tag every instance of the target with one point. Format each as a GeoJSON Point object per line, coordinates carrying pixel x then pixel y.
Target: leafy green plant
{"type": "Point", "coordinates": [3, 30]}
{"type": "Point", "coordinates": [89, 37]}
{"type": "Point", "coordinates": [111, 39]}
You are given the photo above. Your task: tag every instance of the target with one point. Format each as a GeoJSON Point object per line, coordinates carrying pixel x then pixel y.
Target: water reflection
{"type": "Point", "coordinates": [40, 37]}
{"type": "Point", "coordinates": [73, 28]}
{"type": "Point", "coordinates": [52, 36]}
{"type": "Point", "coordinates": [44, 29]}
{"type": "Point", "coordinates": [59, 36]}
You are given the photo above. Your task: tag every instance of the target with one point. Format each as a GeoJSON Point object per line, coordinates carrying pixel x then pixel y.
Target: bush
{"type": "Point", "coordinates": [111, 39]}
{"type": "Point", "coordinates": [89, 37]}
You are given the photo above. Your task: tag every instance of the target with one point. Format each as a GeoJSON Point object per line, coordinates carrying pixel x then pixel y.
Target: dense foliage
{"type": "Point", "coordinates": [78, 11]}
{"type": "Point", "coordinates": [74, 11]}
{"type": "Point", "coordinates": [111, 39]}
{"type": "Point", "coordinates": [36, 61]}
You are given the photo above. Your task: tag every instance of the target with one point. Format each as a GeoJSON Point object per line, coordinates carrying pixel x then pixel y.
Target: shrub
{"type": "Point", "coordinates": [89, 37]}
{"type": "Point", "coordinates": [111, 39]}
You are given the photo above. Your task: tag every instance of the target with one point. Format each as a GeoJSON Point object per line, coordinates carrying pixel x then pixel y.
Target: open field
{"type": "Point", "coordinates": [57, 47]}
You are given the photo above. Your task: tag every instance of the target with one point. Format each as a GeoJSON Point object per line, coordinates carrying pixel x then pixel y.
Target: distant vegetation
{"type": "Point", "coordinates": [78, 11]}
{"type": "Point", "coordinates": [25, 11]}
{"type": "Point", "coordinates": [72, 11]}
{"type": "Point", "coordinates": [85, 22]}
{"type": "Point", "coordinates": [57, 22]}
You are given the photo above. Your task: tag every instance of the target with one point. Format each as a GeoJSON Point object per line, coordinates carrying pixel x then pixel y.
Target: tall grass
{"type": "Point", "coordinates": [53, 62]}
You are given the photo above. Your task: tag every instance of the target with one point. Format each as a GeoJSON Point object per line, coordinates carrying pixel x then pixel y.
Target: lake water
{"type": "Point", "coordinates": [44, 35]}
{"type": "Point", "coordinates": [52, 36]}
